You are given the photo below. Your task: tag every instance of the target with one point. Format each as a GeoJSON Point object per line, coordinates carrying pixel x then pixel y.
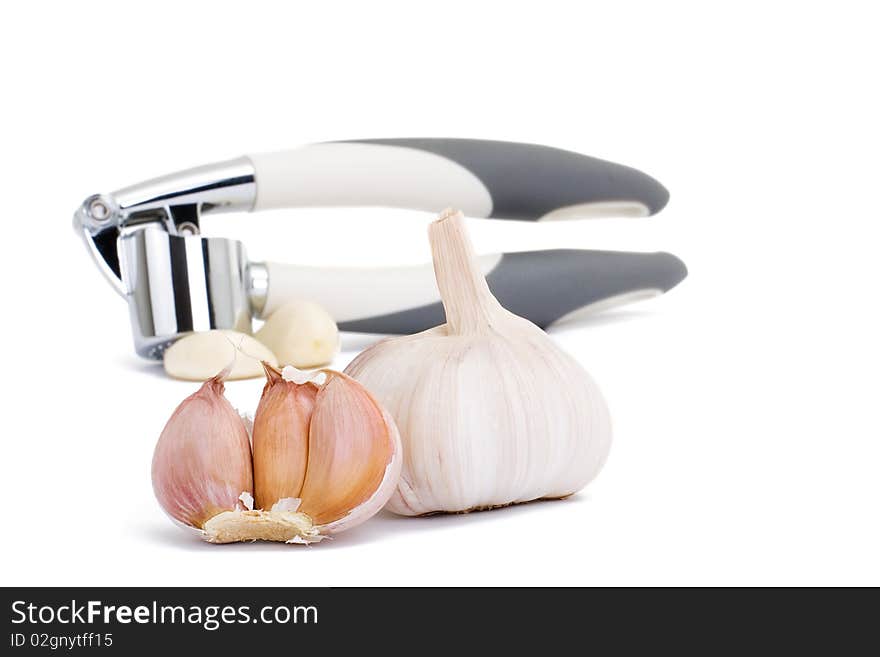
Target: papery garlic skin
{"type": "Point", "coordinates": [202, 461]}
{"type": "Point", "coordinates": [487, 423]}
{"type": "Point", "coordinates": [490, 411]}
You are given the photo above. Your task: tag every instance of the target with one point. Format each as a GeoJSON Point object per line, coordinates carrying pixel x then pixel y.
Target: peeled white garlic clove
{"type": "Point", "coordinates": [302, 334]}
{"type": "Point", "coordinates": [490, 411]}
{"type": "Point", "coordinates": [199, 356]}
{"type": "Point", "coordinates": [326, 457]}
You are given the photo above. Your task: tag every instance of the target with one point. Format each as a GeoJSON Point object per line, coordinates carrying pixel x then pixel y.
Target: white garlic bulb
{"type": "Point", "coordinates": [490, 411]}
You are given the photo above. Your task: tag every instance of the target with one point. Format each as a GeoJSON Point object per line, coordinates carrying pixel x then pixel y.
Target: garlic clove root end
{"type": "Point", "coordinates": [243, 526]}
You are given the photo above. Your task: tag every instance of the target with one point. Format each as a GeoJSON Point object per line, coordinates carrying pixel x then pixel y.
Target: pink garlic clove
{"type": "Point", "coordinates": [202, 462]}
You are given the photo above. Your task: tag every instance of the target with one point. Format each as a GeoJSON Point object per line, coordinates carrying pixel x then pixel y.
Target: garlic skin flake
{"type": "Point", "coordinates": [490, 411]}
{"type": "Point", "coordinates": [325, 458]}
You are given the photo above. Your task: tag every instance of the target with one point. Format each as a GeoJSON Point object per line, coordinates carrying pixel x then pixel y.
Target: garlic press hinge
{"type": "Point", "coordinates": [174, 203]}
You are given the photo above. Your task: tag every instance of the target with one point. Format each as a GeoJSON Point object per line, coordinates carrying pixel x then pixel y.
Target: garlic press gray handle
{"type": "Point", "coordinates": [546, 287]}
{"type": "Point", "coordinates": [529, 181]}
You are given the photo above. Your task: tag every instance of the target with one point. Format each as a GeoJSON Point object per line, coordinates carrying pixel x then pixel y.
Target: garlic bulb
{"type": "Point", "coordinates": [302, 334]}
{"type": "Point", "coordinates": [490, 411]}
{"type": "Point", "coordinates": [325, 458]}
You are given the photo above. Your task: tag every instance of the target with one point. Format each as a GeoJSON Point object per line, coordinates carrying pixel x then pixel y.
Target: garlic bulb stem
{"type": "Point", "coordinates": [467, 300]}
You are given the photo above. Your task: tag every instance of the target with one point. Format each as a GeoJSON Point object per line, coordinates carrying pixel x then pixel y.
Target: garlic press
{"type": "Point", "coordinates": [146, 238]}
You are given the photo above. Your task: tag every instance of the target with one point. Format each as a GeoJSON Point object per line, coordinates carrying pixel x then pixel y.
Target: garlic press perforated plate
{"type": "Point", "coordinates": [145, 238]}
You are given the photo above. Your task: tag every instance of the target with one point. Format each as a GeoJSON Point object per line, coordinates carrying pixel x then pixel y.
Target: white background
{"type": "Point", "coordinates": [745, 402]}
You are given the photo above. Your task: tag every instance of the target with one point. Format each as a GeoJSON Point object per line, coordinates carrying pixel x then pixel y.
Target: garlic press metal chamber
{"type": "Point", "coordinates": [146, 238]}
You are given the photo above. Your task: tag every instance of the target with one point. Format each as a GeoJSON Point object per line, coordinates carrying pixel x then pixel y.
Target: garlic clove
{"type": "Point", "coordinates": [202, 461]}
{"type": "Point", "coordinates": [353, 456]}
{"type": "Point", "coordinates": [199, 356]}
{"type": "Point", "coordinates": [302, 334]}
{"type": "Point", "coordinates": [281, 438]}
